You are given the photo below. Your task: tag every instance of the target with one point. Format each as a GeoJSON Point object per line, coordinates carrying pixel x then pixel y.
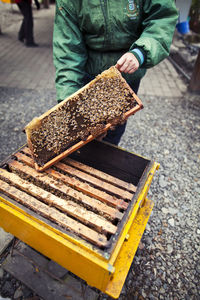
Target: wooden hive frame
{"type": "Point", "coordinates": [37, 126]}
{"type": "Point", "coordinates": [95, 236]}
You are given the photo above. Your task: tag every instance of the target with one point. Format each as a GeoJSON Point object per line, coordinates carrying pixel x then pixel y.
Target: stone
{"type": "Point", "coordinates": [169, 249]}
{"type": "Point", "coordinates": [151, 297]}
{"type": "Point", "coordinates": [165, 210]}
{"type": "Point", "coordinates": [159, 246]}
{"type": "Point", "coordinates": [162, 182]}
{"type": "Point", "coordinates": [18, 293]}
{"type": "Point", "coordinates": [166, 152]}
{"type": "Point", "coordinates": [7, 289]}
{"type": "Point", "coordinates": [158, 282]}
{"type": "Point", "coordinates": [189, 223]}
{"type": "Point", "coordinates": [5, 239]}
{"type": "Point", "coordinates": [162, 290]}
{"type": "Point", "coordinates": [172, 211]}
{"type": "Point", "coordinates": [174, 48]}
{"type": "Point", "coordinates": [141, 245]}
{"type": "Point", "coordinates": [148, 228]}
{"type": "Point", "coordinates": [171, 222]}
{"type": "Point", "coordinates": [144, 295]}
{"type": "Point", "coordinates": [184, 241]}
{"type": "Point", "coordinates": [166, 194]}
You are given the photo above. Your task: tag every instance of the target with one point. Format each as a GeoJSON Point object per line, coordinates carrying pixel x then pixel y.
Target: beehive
{"type": "Point", "coordinates": [105, 101]}
{"type": "Point", "coordinates": [87, 212]}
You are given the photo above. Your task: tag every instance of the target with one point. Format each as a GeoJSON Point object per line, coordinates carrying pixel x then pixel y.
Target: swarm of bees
{"type": "Point", "coordinates": [103, 101]}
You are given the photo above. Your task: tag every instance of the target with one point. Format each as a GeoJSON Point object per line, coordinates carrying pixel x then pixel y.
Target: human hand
{"type": "Point", "coordinates": [128, 63]}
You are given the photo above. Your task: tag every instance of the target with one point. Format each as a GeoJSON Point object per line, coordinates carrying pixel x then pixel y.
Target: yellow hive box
{"type": "Point", "coordinates": [102, 258]}
{"type": "Point", "coordinates": [8, 1]}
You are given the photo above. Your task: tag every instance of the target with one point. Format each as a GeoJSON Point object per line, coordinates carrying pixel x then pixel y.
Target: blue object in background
{"type": "Point", "coordinates": [183, 27]}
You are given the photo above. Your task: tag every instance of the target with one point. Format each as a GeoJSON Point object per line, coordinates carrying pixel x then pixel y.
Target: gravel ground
{"type": "Point", "coordinates": [18, 107]}
{"type": "Point", "coordinates": [166, 265]}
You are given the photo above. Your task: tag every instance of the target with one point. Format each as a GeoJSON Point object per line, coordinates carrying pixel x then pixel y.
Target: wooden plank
{"type": "Point", "coordinates": [95, 181]}
{"type": "Point", "coordinates": [80, 186]}
{"type": "Point", "coordinates": [26, 150]}
{"type": "Point", "coordinates": [64, 189]}
{"type": "Point", "coordinates": [99, 174]}
{"type": "Point", "coordinates": [53, 214]}
{"type": "Point", "coordinates": [69, 207]}
{"type": "Point", "coordinates": [23, 265]}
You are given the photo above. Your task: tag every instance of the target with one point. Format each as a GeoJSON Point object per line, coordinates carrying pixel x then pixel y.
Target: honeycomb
{"type": "Point", "coordinates": [104, 100]}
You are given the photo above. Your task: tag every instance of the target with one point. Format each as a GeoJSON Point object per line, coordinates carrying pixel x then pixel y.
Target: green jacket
{"type": "Point", "coordinates": [91, 35]}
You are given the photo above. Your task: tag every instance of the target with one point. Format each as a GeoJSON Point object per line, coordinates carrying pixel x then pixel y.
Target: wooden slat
{"type": "Point", "coordinates": [94, 181]}
{"type": "Point", "coordinates": [101, 175]}
{"type": "Point", "coordinates": [71, 208]}
{"type": "Point", "coordinates": [53, 214]}
{"type": "Point", "coordinates": [59, 186]}
{"type": "Point", "coordinates": [85, 188]}
{"type": "Point", "coordinates": [80, 186]}
{"type": "Point", "coordinates": [92, 171]}
{"type": "Point", "coordinates": [27, 151]}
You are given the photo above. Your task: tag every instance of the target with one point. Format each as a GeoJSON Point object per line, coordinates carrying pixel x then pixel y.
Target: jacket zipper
{"type": "Point", "coordinates": [105, 15]}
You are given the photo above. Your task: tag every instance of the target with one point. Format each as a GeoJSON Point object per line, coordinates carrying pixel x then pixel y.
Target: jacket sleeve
{"type": "Point", "coordinates": [159, 20]}
{"type": "Point", "coordinates": [69, 51]}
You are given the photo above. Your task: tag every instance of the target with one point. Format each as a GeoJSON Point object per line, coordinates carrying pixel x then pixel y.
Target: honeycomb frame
{"type": "Point", "coordinates": [104, 102]}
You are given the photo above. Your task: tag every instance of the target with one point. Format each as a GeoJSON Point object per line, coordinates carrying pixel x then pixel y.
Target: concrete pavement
{"type": "Point", "coordinates": [28, 68]}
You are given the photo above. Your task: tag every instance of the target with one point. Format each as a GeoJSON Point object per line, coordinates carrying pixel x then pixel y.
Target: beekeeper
{"type": "Point", "coordinates": [92, 35]}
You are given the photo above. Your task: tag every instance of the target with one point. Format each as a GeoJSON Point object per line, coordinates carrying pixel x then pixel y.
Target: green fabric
{"type": "Point", "coordinates": [91, 35]}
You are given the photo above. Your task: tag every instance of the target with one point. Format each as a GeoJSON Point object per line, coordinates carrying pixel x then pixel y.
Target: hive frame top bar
{"type": "Point", "coordinates": [33, 124]}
